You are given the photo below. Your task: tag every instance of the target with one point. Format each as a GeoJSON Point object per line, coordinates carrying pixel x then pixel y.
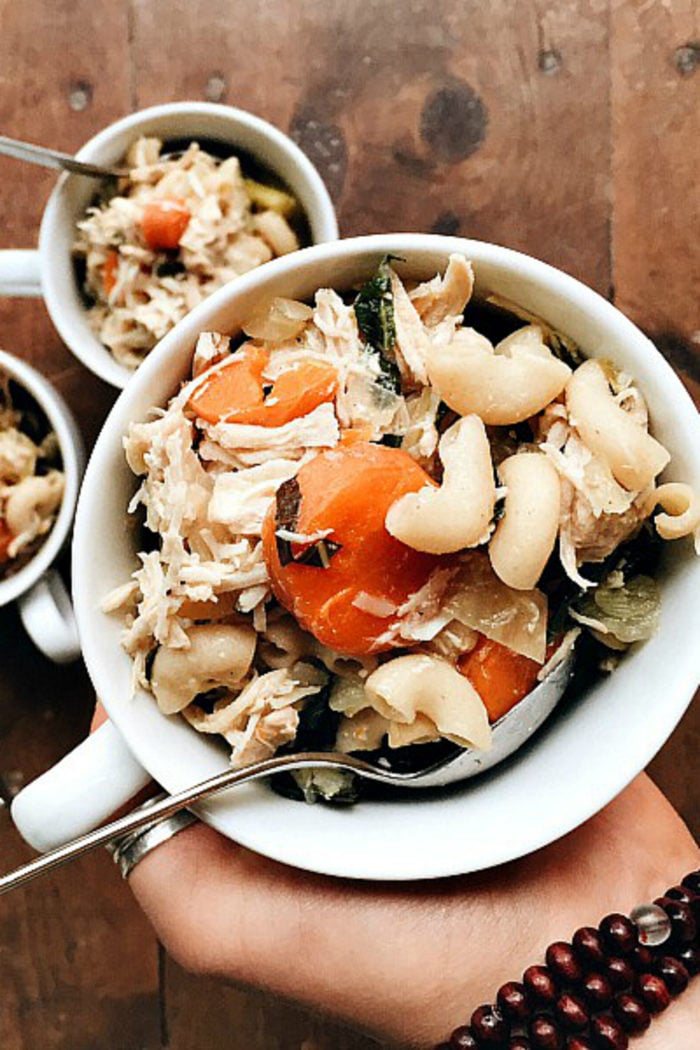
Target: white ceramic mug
{"type": "Point", "coordinates": [573, 767]}
{"type": "Point", "coordinates": [44, 603]}
{"type": "Point", "coordinates": [49, 270]}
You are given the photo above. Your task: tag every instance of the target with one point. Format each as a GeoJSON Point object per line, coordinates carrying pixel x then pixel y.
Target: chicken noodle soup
{"type": "Point", "coordinates": [368, 528]}
{"type": "Point", "coordinates": [181, 226]}
{"type": "Point", "coordinates": [31, 478]}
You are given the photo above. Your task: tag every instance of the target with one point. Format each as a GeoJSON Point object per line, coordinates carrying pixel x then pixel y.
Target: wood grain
{"type": "Point", "coordinates": [423, 115]}
{"type": "Point", "coordinates": [655, 104]}
{"type": "Point", "coordinates": [656, 157]}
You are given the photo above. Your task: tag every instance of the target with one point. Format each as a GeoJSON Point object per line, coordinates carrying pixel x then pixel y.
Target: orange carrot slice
{"type": "Point", "coordinates": [164, 223]}
{"type": "Point", "coordinates": [501, 677]}
{"type": "Point", "coordinates": [350, 604]}
{"type": "Point", "coordinates": [238, 382]}
{"type": "Point", "coordinates": [235, 393]}
{"type": "Point", "coordinates": [109, 271]}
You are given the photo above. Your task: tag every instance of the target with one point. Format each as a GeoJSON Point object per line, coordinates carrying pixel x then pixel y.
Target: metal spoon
{"type": "Point", "coordinates": [509, 733]}
{"type": "Point", "coordinates": [51, 158]}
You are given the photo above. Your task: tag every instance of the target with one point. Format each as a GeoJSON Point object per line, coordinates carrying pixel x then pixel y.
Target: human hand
{"type": "Point", "coordinates": [408, 962]}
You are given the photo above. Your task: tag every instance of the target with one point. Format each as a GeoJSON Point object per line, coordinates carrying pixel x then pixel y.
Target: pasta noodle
{"type": "Point", "coordinates": [681, 508]}
{"type": "Point", "coordinates": [502, 386]}
{"type": "Point", "coordinates": [416, 685]}
{"type": "Point", "coordinates": [458, 514]}
{"type": "Point", "coordinates": [633, 455]}
{"type": "Point", "coordinates": [526, 534]}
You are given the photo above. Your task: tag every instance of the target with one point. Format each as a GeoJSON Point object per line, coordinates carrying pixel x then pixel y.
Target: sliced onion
{"type": "Point", "coordinates": [516, 619]}
{"type": "Point", "coordinates": [278, 320]}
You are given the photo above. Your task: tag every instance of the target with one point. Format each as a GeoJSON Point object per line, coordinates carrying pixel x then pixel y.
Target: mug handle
{"type": "Point", "coordinates": [20, 273]}
{"type": "Point", "coordinates": [48, 618]}
{"type": "Point", "coordinates": [80, 792]}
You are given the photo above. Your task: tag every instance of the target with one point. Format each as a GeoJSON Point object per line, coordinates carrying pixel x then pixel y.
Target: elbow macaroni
{"type": "Point", "coordinates": [218, 655]}
{"type": "Point", "coordinates": [681, 508]}
{"type": "Point", "coordinates": [525, 536]}
{"type": "Point", "coordinates": [419, 686]}
{"type": "Point", "coordinates": [504, 385]}
{"type": "Point", "coordinates": [632, 454]}
{"type": "Point", "coordinates": [458, 513]}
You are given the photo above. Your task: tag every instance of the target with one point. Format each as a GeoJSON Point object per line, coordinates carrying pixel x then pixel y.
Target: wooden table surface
{"type": "Point", "coordinates": [568, 129]}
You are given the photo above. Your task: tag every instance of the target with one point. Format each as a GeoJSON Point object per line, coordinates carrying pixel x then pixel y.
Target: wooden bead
{"type": "Point", "coordinates": [642, 959]}
{"type": "Point", "coordinates": [673, 973]}
{"type": "Point", "coordinates": [571, 1012]}
{"type": "Point", "coordinates": [513, 1001]}
{"type": "Point", "coordinates": [653, 992]}
{"type": "Point", "coordinates": [619, 934]}
{"type": "Point", "coordinates": [589, 947]}
{"type": "Point", "coordinates": [540, 986]}
{"type": "Point", "coordinates": [620, 973]}
{"type": "Point", "coordinates": [631, 1013]}
{"type": "Point", "coordinates": [564, 963]}
{"type": "Point", "coordinates": [489, 1026]}
{"type": "Point", "coordinates": [545, 1034]}
{"type": "Point", "coordinates": [596, 990]}
{"type": "Point", "coordinates": [690, 957]}
{"type": "Point", "coordinates": [692, 882]}
{"type": "Point", "coordinates": [462, 1039]}
{"type": "Point", "coordinates": [607, 1034]}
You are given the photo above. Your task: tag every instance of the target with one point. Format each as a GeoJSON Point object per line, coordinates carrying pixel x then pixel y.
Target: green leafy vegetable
{"type": "Point", "coordinates": [628, 610]}
{"type": "Point", "coordinates": [374, 310]}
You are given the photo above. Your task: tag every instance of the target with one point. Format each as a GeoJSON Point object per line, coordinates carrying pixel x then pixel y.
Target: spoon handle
{"type": "Point", "coordinates": [51, 158]}
{"type": "Point", "coordinates": [167, 806]}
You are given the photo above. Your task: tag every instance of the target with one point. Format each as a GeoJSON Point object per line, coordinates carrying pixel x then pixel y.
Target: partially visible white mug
{"type": "Point", "coordinates": [44, 603]}
{"type": "Point", "coordinates": [49, 270]}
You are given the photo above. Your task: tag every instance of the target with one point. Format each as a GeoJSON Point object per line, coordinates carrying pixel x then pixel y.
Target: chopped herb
{"type": "Point", "coordinates": [374, 310]}
{"type": "Point", "coordinates": [316, 554]}
{"type": "Point", "coordinates": [288, 499]}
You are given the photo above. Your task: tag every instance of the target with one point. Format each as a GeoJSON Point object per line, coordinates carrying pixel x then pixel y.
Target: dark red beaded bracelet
{"type": "Point", "coordinates": [602, 988]}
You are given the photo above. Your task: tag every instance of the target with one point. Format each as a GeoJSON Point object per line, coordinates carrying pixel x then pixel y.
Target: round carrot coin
{"type": "Point", "coordinates": [350, 604]}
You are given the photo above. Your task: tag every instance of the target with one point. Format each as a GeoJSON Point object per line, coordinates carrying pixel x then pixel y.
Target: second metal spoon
{"type": "Point", "coordinates": [51, 158]}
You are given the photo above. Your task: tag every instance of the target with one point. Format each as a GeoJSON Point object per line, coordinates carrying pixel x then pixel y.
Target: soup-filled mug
{"type": "Point", "coordinates": [44, 604]}
{"type": "Point", "coordinates": [581, 759]}
{"type": "Point", "coordinates": [49, 271]}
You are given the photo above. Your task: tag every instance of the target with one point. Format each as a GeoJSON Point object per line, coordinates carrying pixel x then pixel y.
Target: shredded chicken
{"type": "Point", "coordinates": [208, 485]}
{"type": "Point", "coordinates": [140, 289]}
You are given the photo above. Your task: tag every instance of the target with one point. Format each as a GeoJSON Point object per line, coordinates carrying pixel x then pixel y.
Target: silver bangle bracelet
{"type": "Point", "coordinates": [129, 850]}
